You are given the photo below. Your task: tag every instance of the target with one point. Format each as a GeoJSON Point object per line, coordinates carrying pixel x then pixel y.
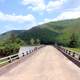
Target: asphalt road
{"type": "Point", "coordinates": [46, 64]}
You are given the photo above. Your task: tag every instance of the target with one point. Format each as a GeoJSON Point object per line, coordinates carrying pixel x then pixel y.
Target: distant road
{"type": "Point", "coordinates": [46, 64]}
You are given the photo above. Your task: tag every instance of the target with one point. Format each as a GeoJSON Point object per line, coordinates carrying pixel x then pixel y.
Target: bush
{"type": "Point", "coordinates": [73, 43]}
{"type": "Point", "coordinates": [10, 47]}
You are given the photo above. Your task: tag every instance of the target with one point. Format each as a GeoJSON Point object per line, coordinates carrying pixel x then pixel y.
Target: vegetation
{"type": "Point", "coordinates": [32, 42]}
{"type": "Point", "coordinates": [66, 33]}
{"type": "Point", "coordinates": [73, 43]}
{"type": "Point", "coordinates": [37, 41]}
{"type": "Point", "coordinates": [60, 32]}
{"type": "Point", "coordinates": [10, 46]}
{"type": "Point", "coordinates": [73, 49]}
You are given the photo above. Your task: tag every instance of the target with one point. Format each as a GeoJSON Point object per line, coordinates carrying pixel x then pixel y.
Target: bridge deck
{"type": "Point", "coordinates": [46, 64]}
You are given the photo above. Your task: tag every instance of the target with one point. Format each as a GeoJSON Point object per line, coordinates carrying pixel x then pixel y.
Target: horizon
{"type": "Point", "coordinates": [25, 14]}
{"type": "Point", "coordinates": [37, 25]}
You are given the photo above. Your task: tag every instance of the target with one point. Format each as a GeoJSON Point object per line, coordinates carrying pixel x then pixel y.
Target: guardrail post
{"type": "Point", "coordinates": [30, 51]}
{"type": "Point", "coordinates": [66, 50]}
{"type": "Point", "coordinates": [18, 57]}
{"type": "Point", "coordinates": [10, 59]}
{"type": "Point", "coordinates": [27, 52]}
{"type": "Point", "coordinates": [23, 54]}
{"type": "Point", "coordinates": [79, 57]}
{"type": "Point", "coordinates": [69, 52]}
{"type": "Point", "coordinates": [73, 54]}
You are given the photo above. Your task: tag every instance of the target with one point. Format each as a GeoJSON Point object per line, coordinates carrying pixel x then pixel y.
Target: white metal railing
{"type": "Point", "coordinates": [11, 58]}
{"type": "Point", "coordinates": [74, 55]}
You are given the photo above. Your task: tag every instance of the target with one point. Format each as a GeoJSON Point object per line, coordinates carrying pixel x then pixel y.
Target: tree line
{"type": "Point", "coordinates": [12, 45]}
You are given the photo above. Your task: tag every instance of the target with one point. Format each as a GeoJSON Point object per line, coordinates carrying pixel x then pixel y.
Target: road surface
{"type": "Point", "coordinates": [46, 64]}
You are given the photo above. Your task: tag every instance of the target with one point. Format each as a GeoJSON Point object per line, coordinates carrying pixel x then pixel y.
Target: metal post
{"type": "Point", "coordinates": [73, 54]}
{"type": "Point", "coordinates": [10, 59]}
{"type": "Point", "coordinates": [79, 57]}
{"type": "Point", "coordinates": [27, 52]}
{"type": "Point", "coordinates": [23, 54]}
{"type": "Point", "coordinates": [69, 52]}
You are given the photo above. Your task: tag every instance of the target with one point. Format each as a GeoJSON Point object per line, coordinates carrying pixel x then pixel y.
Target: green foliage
{"type": "Point", "coordinates": [37, 41]}
{"type": "Point", "coordinates": [73, 41]}
{"type": "Point", "coordinates": [77, 50]}
{"type": "Point", "coordinates": [10, 46]}
{"type": "Point", "coordinates": [13, 42]}
{"type": "Point", "coordinates": [32, 41]}
{"type": "Point", "coordinates": [59, 31]}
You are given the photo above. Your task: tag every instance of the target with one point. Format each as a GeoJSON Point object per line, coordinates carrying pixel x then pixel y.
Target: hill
{"type": "Point", "coordinates": [7, 35]}
{"type": "Point", "coordinates": [59, 31]}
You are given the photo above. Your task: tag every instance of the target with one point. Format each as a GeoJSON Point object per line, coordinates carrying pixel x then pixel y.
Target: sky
{"type": "Point", "coordinates": [25, 14]}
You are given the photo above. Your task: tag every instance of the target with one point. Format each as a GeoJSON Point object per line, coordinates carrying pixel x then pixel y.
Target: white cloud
{"type": "Point", "coordinates": [77, 9]}
{"type": "Point", "coordinates": [68, 15]}
{"type": "Point", "coordinates": [16, 18]}
{"type": "Point", "coordinates": [35, 4]}
{"type": "Point", "coordinates": [71, 14]}
{"type": "Point", "coordinates": [22, 22]}
{"type": "Point", "coordinates": [54, 5]}
{"type": "Point", "coordinates": [46, 20]}
{"type": "Point", "coordinates": [40, 4]}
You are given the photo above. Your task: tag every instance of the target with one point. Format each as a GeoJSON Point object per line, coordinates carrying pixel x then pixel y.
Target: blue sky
{"type": "Point", "coordinates": [24, 14]}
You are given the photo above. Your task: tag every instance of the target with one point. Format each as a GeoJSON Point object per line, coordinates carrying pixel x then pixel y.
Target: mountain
{"type": "Point", "coordinates": [58, 31]}
{"type": "Point", "coordinates": [7, 35]}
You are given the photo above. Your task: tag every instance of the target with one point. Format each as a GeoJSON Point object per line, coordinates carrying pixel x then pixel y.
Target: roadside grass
{"type": "Point", "coordinates": [2, 62]}
{"type": "Point", "coordinates": [77, 50]}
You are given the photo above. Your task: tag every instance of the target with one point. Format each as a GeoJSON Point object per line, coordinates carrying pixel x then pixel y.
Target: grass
{"type": "Point", "coordinates": [3, 63]}
{"type": "Point", "coordinates": [74, 49]}
{"type": "Point", "coordinates": [3, 60]}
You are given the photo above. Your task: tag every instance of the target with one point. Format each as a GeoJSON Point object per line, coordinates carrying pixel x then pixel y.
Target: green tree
{"type": "Point", "coordinates": [37, 41]}
{"type": "Point", "coordinates": [12, 45]}
{"type": "Point", "coordinates": [32, 41]}
{"type": "Point", "coordinates": [12, 38]}
{"type": "Point", "coordinates": [73, 41]}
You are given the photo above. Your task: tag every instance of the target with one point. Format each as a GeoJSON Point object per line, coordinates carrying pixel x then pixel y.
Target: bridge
{"type": "Point", "coordinates": [47, 63]}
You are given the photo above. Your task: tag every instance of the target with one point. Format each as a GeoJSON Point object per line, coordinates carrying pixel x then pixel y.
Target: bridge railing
{"type": "Point", "coordinates": [73, 56]}
{"type": "Point", "coordinates": [11, 58]}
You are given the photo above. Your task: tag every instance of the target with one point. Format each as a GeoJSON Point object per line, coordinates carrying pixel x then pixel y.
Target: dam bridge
{"type": "Point", "coordinates": [41, 63]}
